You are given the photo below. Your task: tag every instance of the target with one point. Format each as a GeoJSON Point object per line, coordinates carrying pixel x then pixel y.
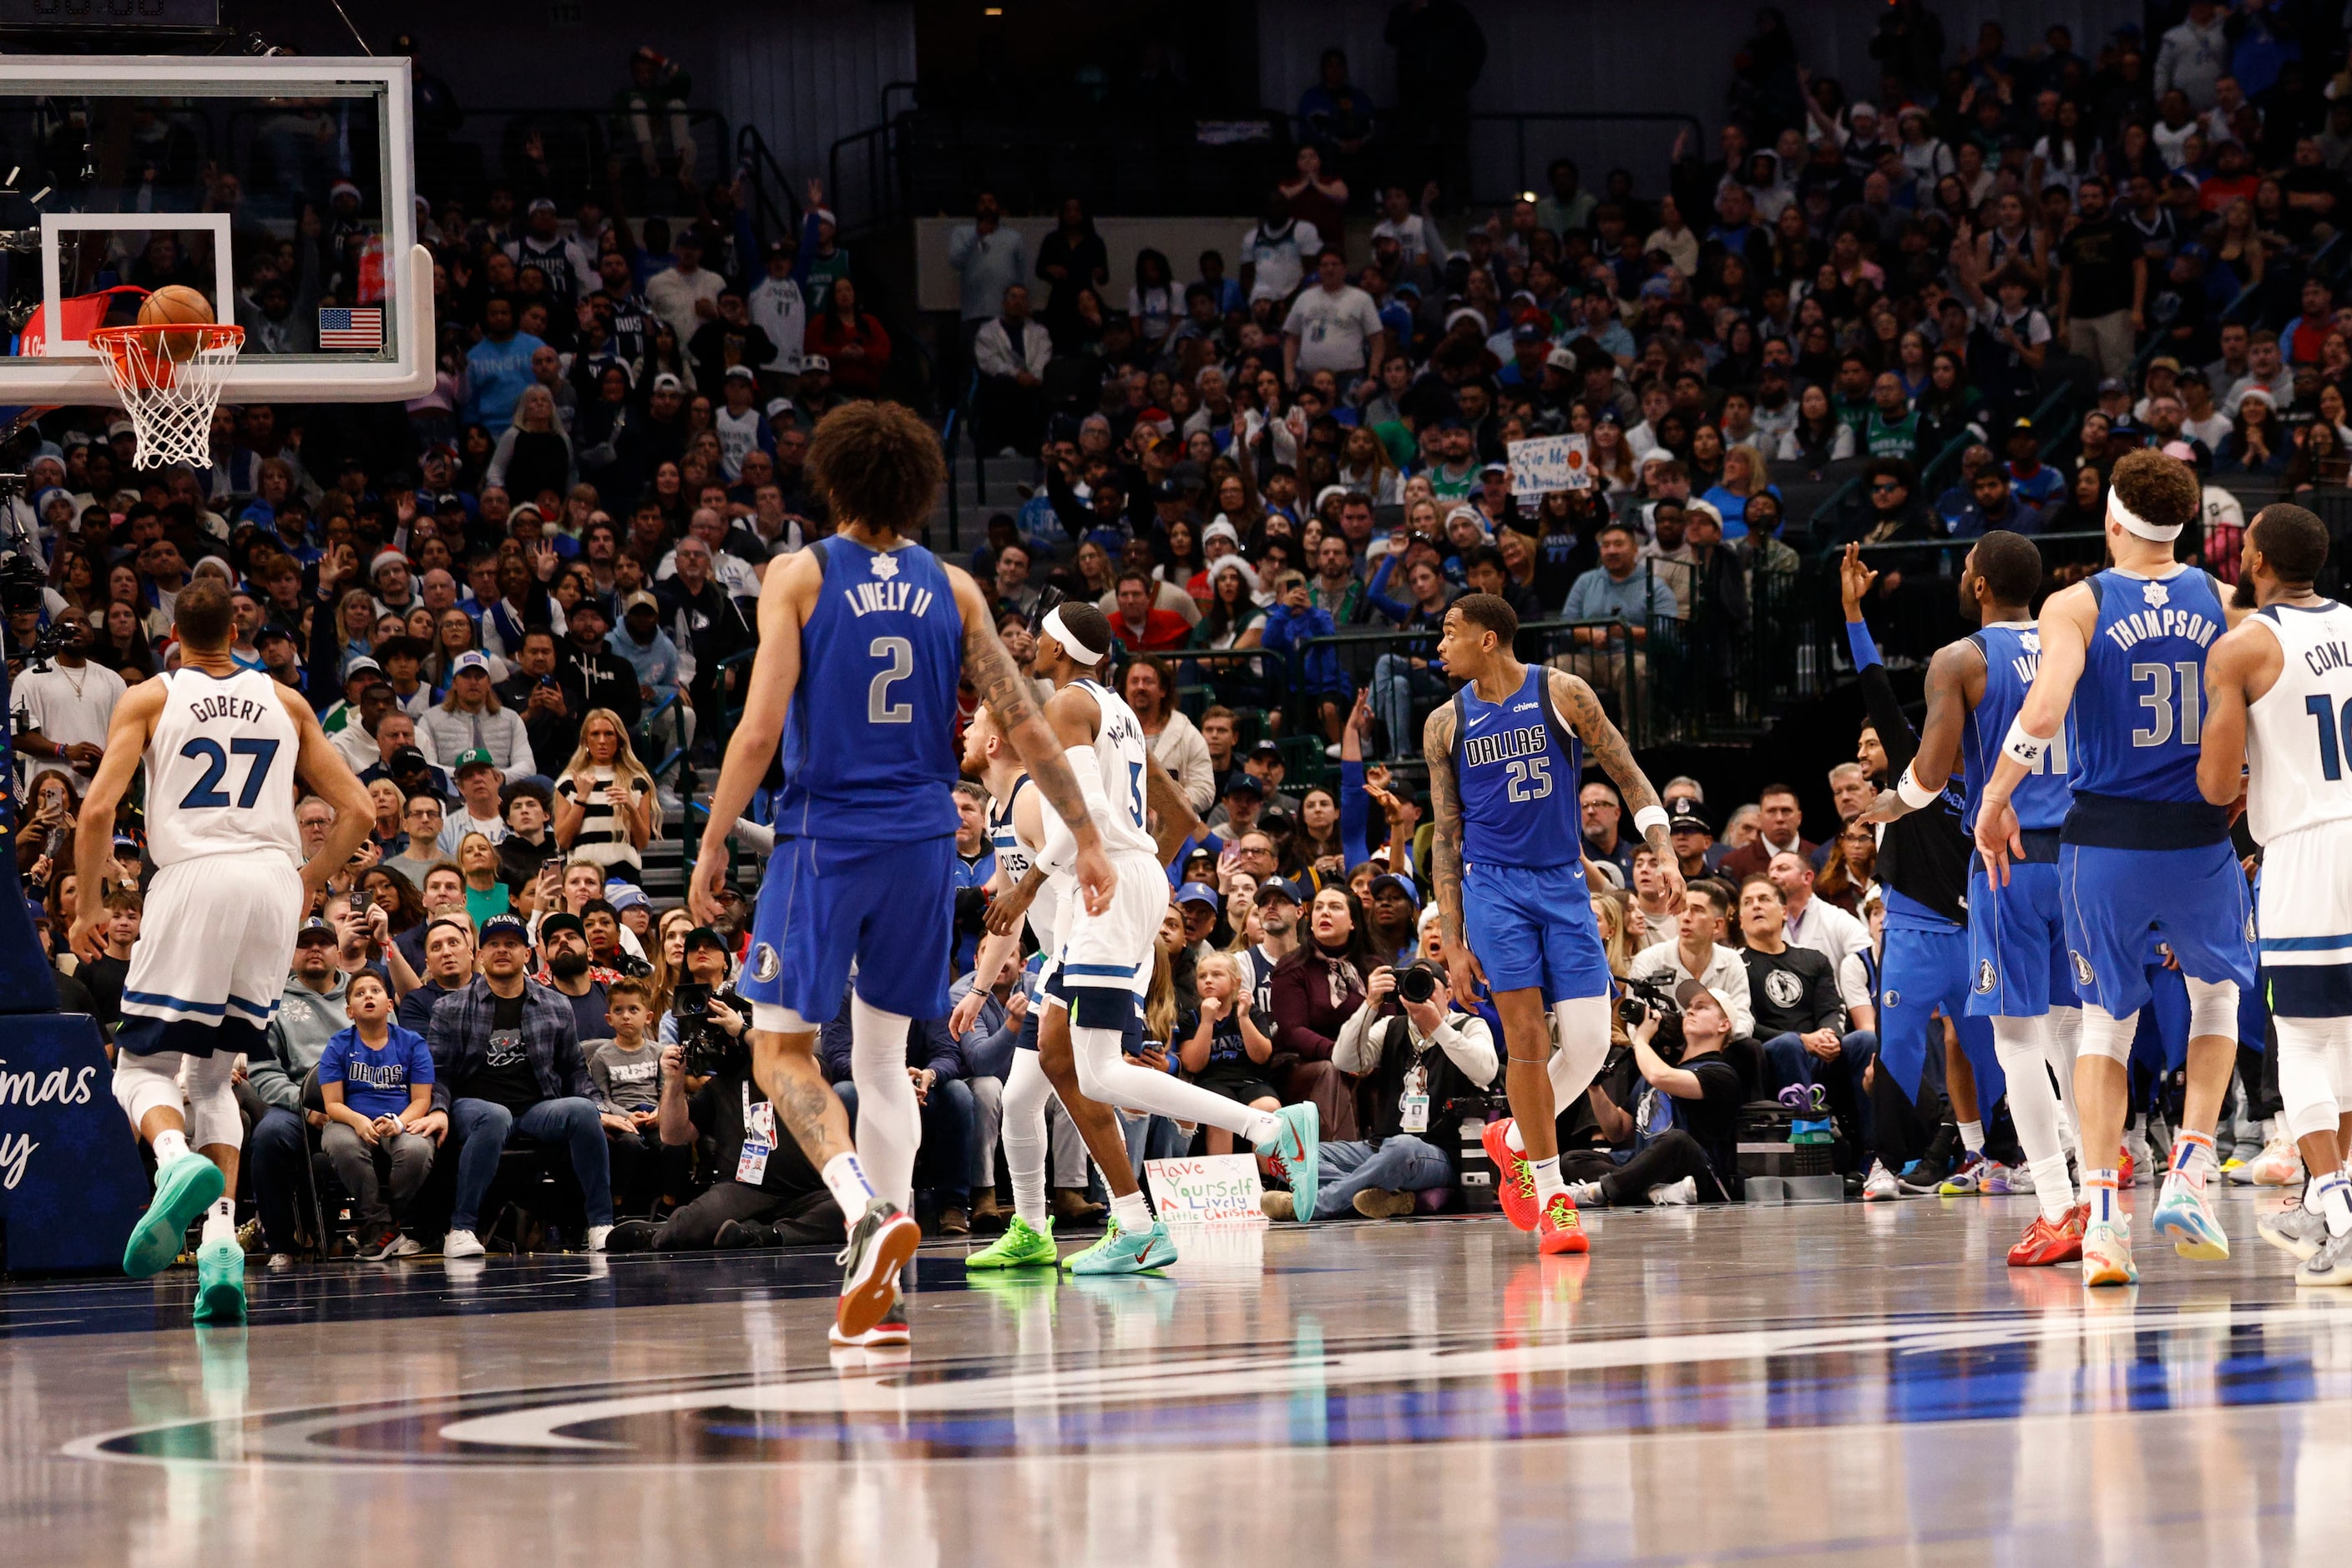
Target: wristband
{"type": "Point", "coordinates": [1650, 816]}
{"type": "Point", "coordinates": [2023, 746]}
{"type": "Point", "coordinates": [1912, 792]}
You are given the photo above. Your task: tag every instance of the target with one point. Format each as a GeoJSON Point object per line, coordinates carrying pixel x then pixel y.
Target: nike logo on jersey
{"type": "Point", "coordinates": [865, 598]}
{"type": "Point", "coordinates": [2144, 624]}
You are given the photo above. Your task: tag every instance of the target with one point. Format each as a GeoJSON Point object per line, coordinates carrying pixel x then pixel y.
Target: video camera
{"type": "Point", "coordinates": [707, 1048]}
{"type": "Point", "coordinates": [1644, 997]}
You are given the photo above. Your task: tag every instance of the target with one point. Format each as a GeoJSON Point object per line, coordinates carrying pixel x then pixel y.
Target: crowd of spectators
{"type": "Point", "coordinates": [518, 609]}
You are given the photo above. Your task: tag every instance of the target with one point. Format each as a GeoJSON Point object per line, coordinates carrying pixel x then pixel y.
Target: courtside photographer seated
{"type": "Point", "coordinates": [763, 1192]}
{"type": "Point", "coordinates": [1682, 1122]}
{"type": "Point", "coordinates": [1423, 1061]}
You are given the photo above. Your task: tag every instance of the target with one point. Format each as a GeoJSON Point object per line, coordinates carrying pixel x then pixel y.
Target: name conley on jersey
{"type": "Point", "coordinates": [2327, 656]}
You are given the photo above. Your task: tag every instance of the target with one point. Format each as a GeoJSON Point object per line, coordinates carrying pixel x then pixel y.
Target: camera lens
{"type": "Point", "coordinates": [1416, 986]}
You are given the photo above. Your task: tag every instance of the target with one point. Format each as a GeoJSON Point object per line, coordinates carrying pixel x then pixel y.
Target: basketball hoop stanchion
{"type": "Point", "coordinates": [170, 379]}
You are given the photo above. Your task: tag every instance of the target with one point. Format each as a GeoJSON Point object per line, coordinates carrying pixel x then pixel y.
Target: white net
{"type": "Point", "coordinates": [170, 380]}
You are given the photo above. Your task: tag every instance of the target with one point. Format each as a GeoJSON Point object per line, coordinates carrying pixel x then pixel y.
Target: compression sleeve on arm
{"type": "Point", "coordinates": [1863, 646]}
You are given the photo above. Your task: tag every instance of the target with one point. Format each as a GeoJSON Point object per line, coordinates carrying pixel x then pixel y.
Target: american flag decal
{"type": "Point", "coordinates": [360, 328]}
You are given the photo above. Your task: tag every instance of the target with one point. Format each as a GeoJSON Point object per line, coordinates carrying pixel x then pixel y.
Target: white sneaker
{"type": "Point", "coordinates": [2143, 1167]}
{"type": "Point", "coordinates": [280, 1262]}
{"type": "Point", "coordinates": [2278, 1166]}
{"type": "Point", "coordinates": [463, 1244]}
{"type": "Point", "coordinates": [596, 1235]}
{"type": "Point", "coordinates": [1675, 1194]}
{"type": "Point", "coordinates": [400, 1246]}
{"type": "Point", "coordinates": [1585, 1194]}
{"type": "Point", "coordinates": [1879, 1184]}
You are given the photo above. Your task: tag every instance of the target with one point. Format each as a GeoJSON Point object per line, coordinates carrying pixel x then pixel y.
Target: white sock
{"type": "Point", "coordinates": [889, 1121]}
{"type": "Point", "coordinates": [2034, 1110]}
{"type": "Point", "coordinates": [1107, 1077]}
{"type": "Point", "coordinates": [844, 1177]}
{"type": "Point", "coordinates": [2336, 1202]}
{"type": "Point", "coordinates": [1518, 1146]}
{"type": "Point", "coordinates": [220, 1221]}
{"type": "Point", "coordinates": [169, 1146]}
{"type": "Point", "coordinates": [1972, 1137]}
{"type": "Point", "coordinates": [1026, 1094]}
{"type": "Point", "coordinates": [1134, 1215]}
{"type": "Point", "coordinates": [1548, 1182]}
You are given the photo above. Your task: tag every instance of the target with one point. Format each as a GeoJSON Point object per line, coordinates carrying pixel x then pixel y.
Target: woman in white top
{"type": "Point", "coordinates": [605, 810]}
{"type": "Point", "coordinates": [1673, 237]}
{"type": "Point", "coordinates": [2066, 154]}
{"type": "Point", "coordinates": [1927, 158]}
{"type": "Point", "coordinates": [1365, 466]}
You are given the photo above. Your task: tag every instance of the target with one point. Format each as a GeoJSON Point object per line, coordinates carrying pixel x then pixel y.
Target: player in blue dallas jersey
{"type": "Point", "coordinates": [863, 638]}
{"type": "Point", "coordinates": [2019, 976]}
{"type": "Point", "coordinates": [1504, 768]}
{"type": "Point", "coordinates": [2142, 854]}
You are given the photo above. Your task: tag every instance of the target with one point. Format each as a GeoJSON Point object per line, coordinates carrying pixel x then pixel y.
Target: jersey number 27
{"type": "Point", "coordinates": [207, 790]}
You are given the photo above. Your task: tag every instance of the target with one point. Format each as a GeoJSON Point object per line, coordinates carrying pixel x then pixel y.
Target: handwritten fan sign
{"type": "Point", "coordinates": [1216, 1189]}
{"type": "Point", "coordinates": [1550, 463]}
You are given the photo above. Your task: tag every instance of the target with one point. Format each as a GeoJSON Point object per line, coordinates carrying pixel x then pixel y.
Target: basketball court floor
{"type": "Point", "coordinates": [1825, 1384]}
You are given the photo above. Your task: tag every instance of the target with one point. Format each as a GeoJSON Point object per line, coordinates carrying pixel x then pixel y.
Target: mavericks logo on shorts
{"type": "Point", "coordinates": [1985, 977]}
{"type": "Point", "coordinates": [1784, 988]}
{"type": "Point", "coordinates": [764, 964]}
{"type": "Point", "coordinates": [2084, 976]}
{"type": "Point", "coordinates": [2250, 927]}
{"type": "Point", "coordinates": [1894, 998]}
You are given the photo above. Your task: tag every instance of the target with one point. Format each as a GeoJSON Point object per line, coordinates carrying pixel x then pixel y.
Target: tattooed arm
{"type": "Point", "coordinates": [1464, 974]}
{"type": "Point", "coordinates": [1012, 703]}
{"type": "Point", "coordinates": [1575, 702]}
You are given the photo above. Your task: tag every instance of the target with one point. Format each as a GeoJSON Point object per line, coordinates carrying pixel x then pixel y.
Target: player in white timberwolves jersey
{"type": "Point", "coordinates": [2278, 727]}
{"type": "Point", "coordinates": [1099, 974]}
{"type": "Point", "coordinates": [223, 748]}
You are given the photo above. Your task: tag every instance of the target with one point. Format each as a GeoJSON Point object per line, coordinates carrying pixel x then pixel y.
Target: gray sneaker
{"type": "Point", "coordinates": [2296, 1231]}
{"type": "Point", "coordinates": [1675, 1194]}
{"type": "Point", "coordinates": [2331, 1265]}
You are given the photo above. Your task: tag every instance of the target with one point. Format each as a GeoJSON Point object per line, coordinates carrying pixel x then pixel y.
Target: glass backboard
{"type": "Point", "coordinates": [282, 189]}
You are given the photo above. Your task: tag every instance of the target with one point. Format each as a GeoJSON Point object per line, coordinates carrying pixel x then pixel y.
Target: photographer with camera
{"type": "Point", "coordinates": [1685, 1119]}
{"type": "Point", "coordinates": [705, 1015]}
{"type": "Point", "coordinates": [1697, 952]}
{"type": "Point", "coordinates": [1423, 1061]}
{"type": "Point", "coordinates": [764, 1193]}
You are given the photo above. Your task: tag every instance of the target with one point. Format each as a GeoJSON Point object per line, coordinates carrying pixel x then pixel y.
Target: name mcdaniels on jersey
{"type": "Point", "coordinates": [1527, 743]}
{"type": "Point", "coordinates": [235, 709]}
{"type": "Point", "coordinates": [865, 598]}
{"type": "Point", "coordinates": [1119, 730]}
{"type": "Point", "coordinates": [2144, 624]}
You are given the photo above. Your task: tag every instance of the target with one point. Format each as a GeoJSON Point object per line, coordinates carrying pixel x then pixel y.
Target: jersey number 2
{"type": "Point", "coordinates": [1527, 778]}
{"type": "Point", "coordinates": [207, 790]}
{"type": "Point", "coordinates": [879, 709]}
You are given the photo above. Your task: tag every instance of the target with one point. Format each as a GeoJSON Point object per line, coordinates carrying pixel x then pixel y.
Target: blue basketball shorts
{"type": "Point", "coordinates": [2118, 902]}
{"type": "Point", "coordinates": [1922, 978]}
{"type": "Point", "coordinates": [1531, 926]}
{"type": "Point", "coordinates": [889, 907]}
{"type": "Point", "coordinates": [2017, 943]}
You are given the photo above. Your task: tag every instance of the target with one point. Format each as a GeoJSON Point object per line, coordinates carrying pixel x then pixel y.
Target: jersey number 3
{"type": "Point", "coordinates": [207, 790]}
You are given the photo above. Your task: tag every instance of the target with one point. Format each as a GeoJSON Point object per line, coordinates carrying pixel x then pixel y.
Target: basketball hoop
{"type": "Point", "coordinates": [170, 380]}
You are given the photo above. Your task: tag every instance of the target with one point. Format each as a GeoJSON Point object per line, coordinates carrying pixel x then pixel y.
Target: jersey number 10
{"type": "Point", "coordinates": [2322, 707]}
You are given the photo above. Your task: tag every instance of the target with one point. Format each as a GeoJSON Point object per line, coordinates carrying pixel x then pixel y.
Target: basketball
{"type": "Point", "coordinates": [170, 305]}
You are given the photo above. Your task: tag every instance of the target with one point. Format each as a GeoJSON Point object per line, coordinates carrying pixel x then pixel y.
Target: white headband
{"type": "Point", "coordinates": [1061, 634]}
{"type": "Point", "coordinates": [2132, 522]}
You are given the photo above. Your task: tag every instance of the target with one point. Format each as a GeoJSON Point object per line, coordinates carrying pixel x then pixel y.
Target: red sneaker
{"type": "Point", "coordinates": [1562, 1228]}
{"type": "Point", "coordinates": [2045, 1243]}
{"type": "Point", "coordinates": [1514, 1182]}
{"type": "Point", "coordinates": [2078, 1220]}
{"type": "Point", "coordinates": [2124, 1173]}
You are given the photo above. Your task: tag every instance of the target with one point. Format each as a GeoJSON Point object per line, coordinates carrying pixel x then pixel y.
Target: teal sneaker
{"type": "Point", "coordinates": [220, 1282]}
{"type": "Point", "coordinates": [1296, 1152]}
{"type": "Point", "coordinates": [2184, 1217]}
{"type": "Point", "coordinates": [1021, 1247]}
{"type": "Point", "coordinates": [1138, 1252]}
{"type": "Point", "coordinates": [1109, 1235]}
{"type": "Point", "coordinates": [184, 1189]}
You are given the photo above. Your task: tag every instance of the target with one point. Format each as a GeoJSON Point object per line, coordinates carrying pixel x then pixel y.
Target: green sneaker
{"type": "Point", "coordinates": [1021, 1247]}
{"type": "Point", "coordinates": [184, 1189]}
{"type": "Point", "coordinates": [1143, 1251]}
{"type": "Point", "coordinates": [1109, 1235]}
{"type": "Point", "coordinates": [220, 1282]}
{"type": "Point", "coordinates": [1297, 1152]}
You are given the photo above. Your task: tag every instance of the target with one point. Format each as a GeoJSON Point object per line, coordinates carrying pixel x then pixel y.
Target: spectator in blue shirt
{"type": "Point", "coordinates": [1620, 588]}
{"type": "Point", "coordinates": [497, 368]}
{"type": "Point", "coordinates": [1992, 504]}
{"type": "Point", "coordinates": [377, 1079]}
{"type": "Point", "coordinates": [2030, 480]}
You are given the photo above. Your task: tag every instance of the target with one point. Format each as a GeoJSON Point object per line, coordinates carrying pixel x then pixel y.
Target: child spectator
{"type": "Point", "coordinates": [627, 1071]}
{"type": "Point", "coordinates": [1225, 1049]}
{"type": "Point", "coordinates": [376, 1078]}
